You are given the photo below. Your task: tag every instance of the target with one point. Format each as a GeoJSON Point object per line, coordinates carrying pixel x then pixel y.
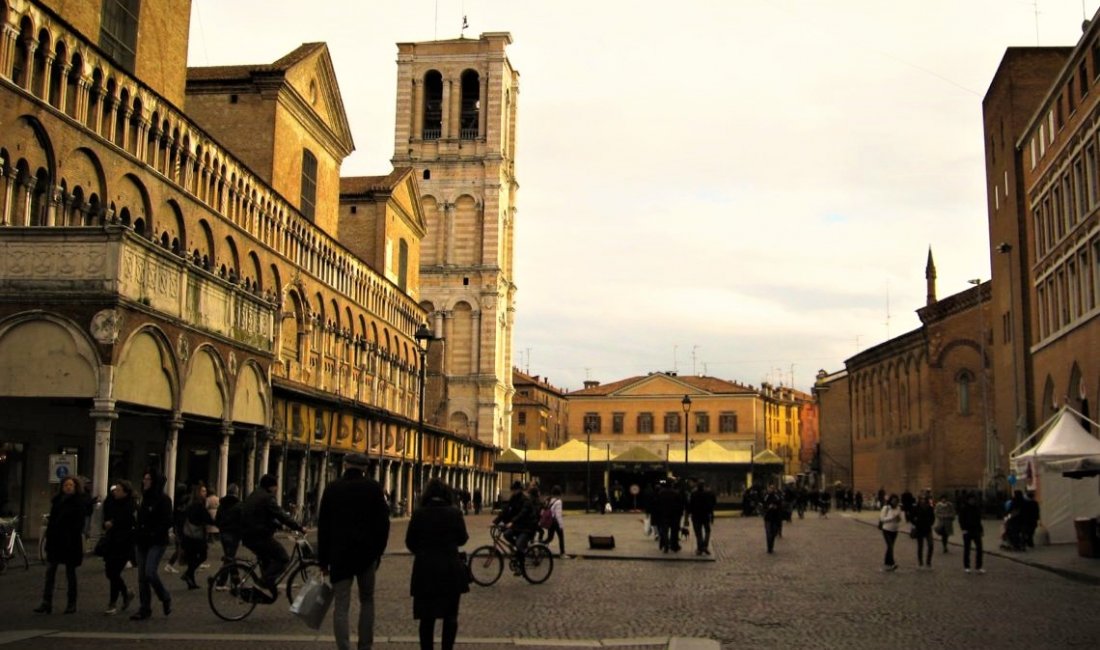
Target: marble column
{"type": "Point", "coordinates": [171, 446]}
{"type": "Point", "coordinates": [223, 458]}
{"type": "Point", "coordinates": [103, 414]}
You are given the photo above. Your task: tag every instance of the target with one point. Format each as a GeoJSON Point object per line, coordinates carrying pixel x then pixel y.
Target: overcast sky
{"type": "Point", "coordinates": [746, 189]}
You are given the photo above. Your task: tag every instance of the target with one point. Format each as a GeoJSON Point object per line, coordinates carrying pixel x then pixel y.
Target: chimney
{"type": "Point", "coordinates": [590, 383]}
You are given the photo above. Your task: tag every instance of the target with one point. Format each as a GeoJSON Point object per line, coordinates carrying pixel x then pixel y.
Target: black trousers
{"type": "Point", "coordinates": [51, 575]}
{"type": "Point", "coordinates": [272, 557]}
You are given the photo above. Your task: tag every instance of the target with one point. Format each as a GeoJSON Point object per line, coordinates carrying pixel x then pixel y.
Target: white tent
{"type": "Point", "coordinates": [1061, 499]}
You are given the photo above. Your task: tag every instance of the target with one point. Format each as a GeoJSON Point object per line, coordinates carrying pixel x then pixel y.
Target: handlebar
{"type": "Point", "coordinates": [9, 522]}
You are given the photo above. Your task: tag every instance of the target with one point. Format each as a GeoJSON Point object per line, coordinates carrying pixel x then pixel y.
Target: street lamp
{"type": "Point", "coordinates": [423, 339]}
{"type": "Point", "coordinates": [686, 403]}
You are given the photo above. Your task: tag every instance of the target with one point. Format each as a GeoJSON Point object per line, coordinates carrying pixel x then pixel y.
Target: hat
{"type": "Point", "coordinates": [356, 460]}
{"type": "Point", "coordinates": [267, 481]}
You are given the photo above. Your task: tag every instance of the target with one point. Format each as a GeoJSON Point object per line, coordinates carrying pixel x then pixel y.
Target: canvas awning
{"type": "Point", "coordinates": [1083, 467]}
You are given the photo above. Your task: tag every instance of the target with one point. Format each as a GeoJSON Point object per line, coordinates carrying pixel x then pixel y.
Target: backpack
{"type": "Point", "coordinates": [546, 517]}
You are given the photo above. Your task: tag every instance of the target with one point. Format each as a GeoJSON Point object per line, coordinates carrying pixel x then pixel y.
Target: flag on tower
{"type": "Point", "coordinates": [465, 23]}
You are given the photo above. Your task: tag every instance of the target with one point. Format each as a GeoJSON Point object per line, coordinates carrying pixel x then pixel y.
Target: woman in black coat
{"type": "Point", "coordinates": [119, 512]}
{"type": "Point", "coordinates": [64, 541]}
{"type": "Point", "coordinates": [439, 577]}
{"type": "Point", "coordinates": [154, 519]}
{"type": "Point", "coordinates": [195, 520]}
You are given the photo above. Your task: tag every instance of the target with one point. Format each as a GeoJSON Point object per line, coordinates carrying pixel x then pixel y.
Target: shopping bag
{"type": "Point", "coordinates": [313, 602]}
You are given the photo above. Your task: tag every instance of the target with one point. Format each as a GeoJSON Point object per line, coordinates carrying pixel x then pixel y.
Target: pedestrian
{"type": "Point", "coordinates": [945, 519]}
{"type": "Point", "coordinates": [228, 521]}
{"type": "Point", "coordinates": [1029, 520]}
{"type": "Point", "coordinates": [668, 510]}
{"type": "Point", "coordinates": [439, 575]}
{"type": "Point", "coordinates": [773, 516]}
{"type": "Point", "coordinates": [701, 507]}
{"type": "Point", "coordinates": [970, 521]}
{"type": "Point", "coordinates": [922, 518]}
{"type": "Point", "coordinates": [154, 520]}
{"type": "Point", "coordinates": [518, 519]}
{"type": "Point", "coordinates": [557, 523]}
{"type": "Point", "coordinates": [182, 498]}
{"type": "Point", "coordinates": [196, 519]}
{"type": "Point", "coordinates": [119, 519]}
{"type": "Point", "coordinates": [477, 501]}
{"type": "Point", "coordinates": [64, 541]}
{"type": "Point", "coordinates": [260, 517]}
{"type": "Point", "coordinates": [353, 528]}
{"type": "Point", "coordinates": [212, 503]}
{"type": "Point", "coordinates": [889, 520]}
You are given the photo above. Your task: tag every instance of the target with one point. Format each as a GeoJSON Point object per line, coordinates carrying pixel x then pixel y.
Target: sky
{"type": "Point", "coordinates": [742, 189]}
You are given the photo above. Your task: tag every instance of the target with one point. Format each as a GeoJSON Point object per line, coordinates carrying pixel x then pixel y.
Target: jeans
{"type": "Point", "coordinates": [702, 533]}
{"type": "Point", "coordinates": [113, 566]}
{"type": "Point", "coordinates": [341, 592]}
{"type": "Point", "coordinates": [890, 536]}
{"type": "Point", "coordinates": [148, 561]}
{"type": "Point", "coordinates": [976, 540]}
{"type": "Point", "coordinates": [70, 578]}
{"type": "Point", "coordinates": [555, 529]}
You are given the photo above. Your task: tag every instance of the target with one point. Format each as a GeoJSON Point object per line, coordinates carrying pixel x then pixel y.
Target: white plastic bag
{"type": "Point", "coordinates": [313, 602]}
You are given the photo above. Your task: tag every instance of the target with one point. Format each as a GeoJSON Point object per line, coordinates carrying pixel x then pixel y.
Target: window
{"type": "Point", "coordinates": [1059, 117]}
{"type": "Point", "coordinates": [118, 31]}
{"type": "Point", "coordinates": [522, 420]}
{"type": "Point", "coordinates": [1080, 191]}
{"type": "Point", "coordinates": [672, 422]}
{"type": "Point", "coordinates": [1082, 79]}
{"type": "Point", "coordinates": [962, 389]}
{"type": "Point", "coordinates": [403, 264]}
{"type": "Point", "coordinates": [309, 185]}
{"type": "Point", "coordinates": [433, 106]}
{"type": "Point", "coordinates": [592, 423]}
{"type": "Point", "coordinates": [617, 423]}
{"type": "Point", "coordinates": [1070, 99]}
{"type": "Point", "coordinates": [702, 422]}
{"type": "Point", "coordinates": [471, 105]}
{"type": "Point", "coordinates": [727, 422]}
{"type": "Point", "coordinates": [645, 423]}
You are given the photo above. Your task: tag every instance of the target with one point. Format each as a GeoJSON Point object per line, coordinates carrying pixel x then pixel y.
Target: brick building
{"type": "Point", "coordinates": [540, 413]}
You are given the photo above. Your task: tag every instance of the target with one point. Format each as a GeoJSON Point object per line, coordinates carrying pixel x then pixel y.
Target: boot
{"type": "Point", "coordinates": [44, 608]}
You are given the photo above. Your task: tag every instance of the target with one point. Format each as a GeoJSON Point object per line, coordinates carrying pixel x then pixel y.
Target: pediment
{"type": "Point", "coordinates": [658, 384]}
{"type": "Point", "coordinates": [406, 196]}
{"type": "Point", "coordinates": [310, 74]}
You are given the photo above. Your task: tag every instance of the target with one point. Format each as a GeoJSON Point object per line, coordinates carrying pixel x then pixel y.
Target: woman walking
{"type": "Point", "coordinates": [923, 517]}
{"type": "Point", "coordinates": [439, 576]}
{"type": "Point", "coordinates": [945, 519]}
{"type": "Point", "coordinates": [889, 520]}
{"type": "Point", "coordinates": [154, 519]}
{"type": "Point", "coordinates": [118, 530]}
{"type": "Point", "coordinates": [557, 523]}
{"type": "Point", "coordinates": [64, 541]}
{"type": "Point", "coordinates": [970, 521]}
{"type": "Point", "coordinates": [196, 519]}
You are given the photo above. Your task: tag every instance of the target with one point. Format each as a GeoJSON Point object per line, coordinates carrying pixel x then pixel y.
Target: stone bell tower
{"type": "Point", "coordinates": [456, 126]}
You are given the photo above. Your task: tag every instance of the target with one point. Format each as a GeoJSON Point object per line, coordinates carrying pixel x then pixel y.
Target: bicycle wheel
{"type": "Point", "coordinates": [538, 563]}
{"type": "Point", "coordinates": [300, 577]}
{"type": "Point", "coordinates": [232, 591]}
{"type": "Point", "coordinates": [486, 565]}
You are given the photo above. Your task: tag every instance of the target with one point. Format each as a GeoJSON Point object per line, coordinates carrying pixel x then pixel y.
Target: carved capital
{"type": "Point", "coordinates": [105, 326]}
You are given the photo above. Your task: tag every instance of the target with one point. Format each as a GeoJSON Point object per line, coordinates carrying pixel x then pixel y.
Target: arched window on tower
{"type": "Point", "coordinates": [963, 382]}
{"type": "Point", "coordinates": [433, 105]}
{"type": "Point", "coordinates": [471, 105]}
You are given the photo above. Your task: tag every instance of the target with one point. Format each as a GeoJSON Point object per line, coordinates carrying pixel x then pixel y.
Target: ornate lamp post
{"type": "Point", "coordinates": [423, 339]}
{"type": "Point", "coordinates": [686, 403]}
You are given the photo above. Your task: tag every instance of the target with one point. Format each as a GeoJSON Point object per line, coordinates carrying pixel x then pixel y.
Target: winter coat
{"type": "Point", "coordinates": [65, 531]}
{"type": "Point", "coordinates": [970, 519]}
{"type": "Point", "coordinates": [520, 512]}
{"type": "Point", "coordinates": [668, 508]}
{"type": "Point", "coordinates": [228, 519]}
{"type": "Point", "coordinates": [701, 505]}
{"type": "Point", "coordinates": [436, 531]}
{"type": "Point", "coordinates": [198, 516]}
{"type": "Point", "coordinates": [120, 536]}
{"type": "Point", "coordinates": [261, 515]}
{"type": "Point", "coordinates": [774, 509]}
{"type": "Point", "coordinates": [890, 518]}
{"type": "Point", "coordinates": [353, 525]}
{"type": "Point", "coordinates": [922, 517]}
{"type": "Point", "coordinates": [945, 518]}
{"type": "Point", "coordinates": [154, 517]}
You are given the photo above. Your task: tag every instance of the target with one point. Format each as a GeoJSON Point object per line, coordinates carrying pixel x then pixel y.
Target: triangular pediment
{"type": "Point", "coordinates": [406, 198]}
{"type": "Point", "coordinates": [657, 384]}
{"type": "Point", "coordinates": [309, 74]}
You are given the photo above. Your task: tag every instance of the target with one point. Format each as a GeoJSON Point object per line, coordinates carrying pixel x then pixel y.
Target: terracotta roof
{"type": "Point", "coordinates": [707, 384]}
{"type": "Point", "coordinates": [523, 400]}
{"type": "Point", "coordinates": [359, 185]}
{"type": "Point", "coordinates": [229, 72]}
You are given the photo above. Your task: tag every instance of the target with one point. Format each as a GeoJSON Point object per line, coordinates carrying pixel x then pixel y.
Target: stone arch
{"type": "Point", "coordinates": [459, 422]}
{"type": "Point", "coordinates": [470, 108]}
{"type": "Point", "coordinates": [433, 108]}
{"type": "Point", "coordinates": [459, 346]}
{"type": "Point", "coordinates": [205, 390]}
{"type": "Point", "coordinates": [174, 230]}
{"type": "Point", "coordinates": [250, 398]}
{"type": "Point", "coordinates": [256, 271]}
{"type": "Point", "coordinates": [133, 195]}
{"type": "Point", "coordinates": [204, 246]}
{"type": "Point", "coordinates": [84, 171]}
{"type": "Point", "coordinates": [467, 231]}
{"type": "Point", "coordinates": [44, 355]}
{"type": "Point", "coordinates": [232, 272]}
{"type": "Point", "coordinates": [1074, 395]}
{"type": "Point", "coordinates": [147, 372]}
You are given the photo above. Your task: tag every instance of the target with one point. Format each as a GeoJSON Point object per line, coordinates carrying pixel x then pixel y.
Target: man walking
{"type": "Point", "coordinates": [701, 507]}
{"type": "Point", "coordinates": [353, 527]}
{"type": "Point", "coordinates": [773, 516]}
{"type": "Point", "coordinates": [668, 511]}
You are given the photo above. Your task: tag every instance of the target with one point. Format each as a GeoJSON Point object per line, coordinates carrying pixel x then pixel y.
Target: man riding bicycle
{"type": "Point", "coordinates": [260, 517]}
{"type": "Point", "coordinates": [518, 519]}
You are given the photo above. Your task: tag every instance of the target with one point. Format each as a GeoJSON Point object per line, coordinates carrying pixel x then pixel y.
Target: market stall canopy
{"type": "Point", "coordinates": [637, 455]}
{"type": "Point", "coordinates": [1083, 467]}
{"type": "Point", "coordinates": [1060, 437]}
{"type": "Point", "coordinates": [711, 453]}
{"type": "Point", "coordinates": [767, 457]}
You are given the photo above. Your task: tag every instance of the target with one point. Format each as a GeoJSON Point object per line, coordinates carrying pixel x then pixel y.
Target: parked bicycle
{"type": "Point", "coordinates": [487, 562]}
{"type": "Point", "coordinates": [235, 589]}
{"type": "Point", "coordinates": [11, 544]}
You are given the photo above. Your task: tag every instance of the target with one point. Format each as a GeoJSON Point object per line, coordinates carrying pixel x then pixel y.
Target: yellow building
{"type": "Point", "coordinates": [540, 413]}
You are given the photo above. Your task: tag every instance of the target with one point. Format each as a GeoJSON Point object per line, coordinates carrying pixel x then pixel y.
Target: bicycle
{"type": "Point", "coordinates": [11, 543]}
{"type": "Point", "coordinates": [486, 563]}
{"type": "Point", "coordinates": [236, 588]}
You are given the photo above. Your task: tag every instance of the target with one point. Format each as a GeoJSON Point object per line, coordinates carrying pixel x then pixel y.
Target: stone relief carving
{"type": "Point", "coordinates": [105, 326]}
{"type": "Point", "coordinates": [183, 348]}
{"type": "Point", "coordinates": [233, 364]}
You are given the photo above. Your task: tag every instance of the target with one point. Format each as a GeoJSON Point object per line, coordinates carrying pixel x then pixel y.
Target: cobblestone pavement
{"type": "Point", "coordinates": [821, 589]}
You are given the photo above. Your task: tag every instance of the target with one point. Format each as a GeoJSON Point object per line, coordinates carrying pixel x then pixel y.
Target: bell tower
{"type": "Point", "coordinates": [456, 126]}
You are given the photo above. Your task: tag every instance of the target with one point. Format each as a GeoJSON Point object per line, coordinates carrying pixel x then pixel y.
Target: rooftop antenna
{"type": "Point", "coordinates": [675, 349]}
{"type": "Point", "coordinates": [435, 30]}
{"type": "Point", "coordinates": [693, 349]}
{"type": "Point", "coordinates": [887, 309]}
{"type": "Point", "coordinates": [1035, 4]}
{"type": "Point", "coordinates": [528, 360]}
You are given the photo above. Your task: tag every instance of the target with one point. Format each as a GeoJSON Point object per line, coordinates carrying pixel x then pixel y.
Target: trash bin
{"type": "Point", "coordinates": [1087, 543]}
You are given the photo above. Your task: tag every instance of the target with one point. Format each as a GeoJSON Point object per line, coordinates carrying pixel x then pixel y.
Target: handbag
{"type": "Point", "coordinates": [193, 531]}
{"type": "Point", "coordinates": [467, 573]}
{"type": "Point", "coordinates": [101, 546]}
{"type": "Point", "coordinates": [313, 602]}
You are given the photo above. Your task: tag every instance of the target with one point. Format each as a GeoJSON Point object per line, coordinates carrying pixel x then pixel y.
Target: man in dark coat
{"type": "Point", "coordinates": [701, 507]}
{"type": "Point", "coordinates": [353, 527]}
{"type": "Point", "coordinates": [668, 509]}
{"type": "Point", "coordinates": [260, 516]}
{"type": "Point", "coordinates": [64, 541]}
{"type": "Point", "coordinates": [773, 516]}
{"type": "Point", "coordinates": [518, 518]}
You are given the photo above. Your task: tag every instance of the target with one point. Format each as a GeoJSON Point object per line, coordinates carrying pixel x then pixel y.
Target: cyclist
{"type": "Point", "coordinates": [260, 516]}
{"type": "Point", "coordinates": [518, 519]}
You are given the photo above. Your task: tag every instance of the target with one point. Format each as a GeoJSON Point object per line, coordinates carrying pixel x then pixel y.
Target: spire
{"type": "Point", "coordinates": [930, 276]}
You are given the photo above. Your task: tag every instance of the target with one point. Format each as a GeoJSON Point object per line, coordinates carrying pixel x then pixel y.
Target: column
{"type": "Point", "coordinates": [103, 414]}
{"type": "Point", "coordinates": [170, 448]}
{"type": "Point", "coordinates": [63, 92]}
{"type": "Point", "coordinates": [9, 187]}
{"type": "Point", "coordinates": [475, 343]}
{"type": "Point", "coordinates": [250, 465]}
{"type": "Point", "coordinates": [32, 47]}
{"type": "Point", "coordinates": [483, 110]}
{"type": "Point", "coordinates": [7, 49]}
{"type": "Point", "coordinates": [280, 474]}
{"type": "Point", "coordinates": [417, 109]}
{"type": "Point", "coordinates": [223, 458]}
{"type": "Point", "coordinates": [47, 70]}
{"type": "Point", "coordinates": [265, 450]}
{"type": "Point", "coordinates": [445, 131]}
{"type": "Point", "coordinates": [53, 197]}
{"type": "Point", "coordinates": [449, 229]}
